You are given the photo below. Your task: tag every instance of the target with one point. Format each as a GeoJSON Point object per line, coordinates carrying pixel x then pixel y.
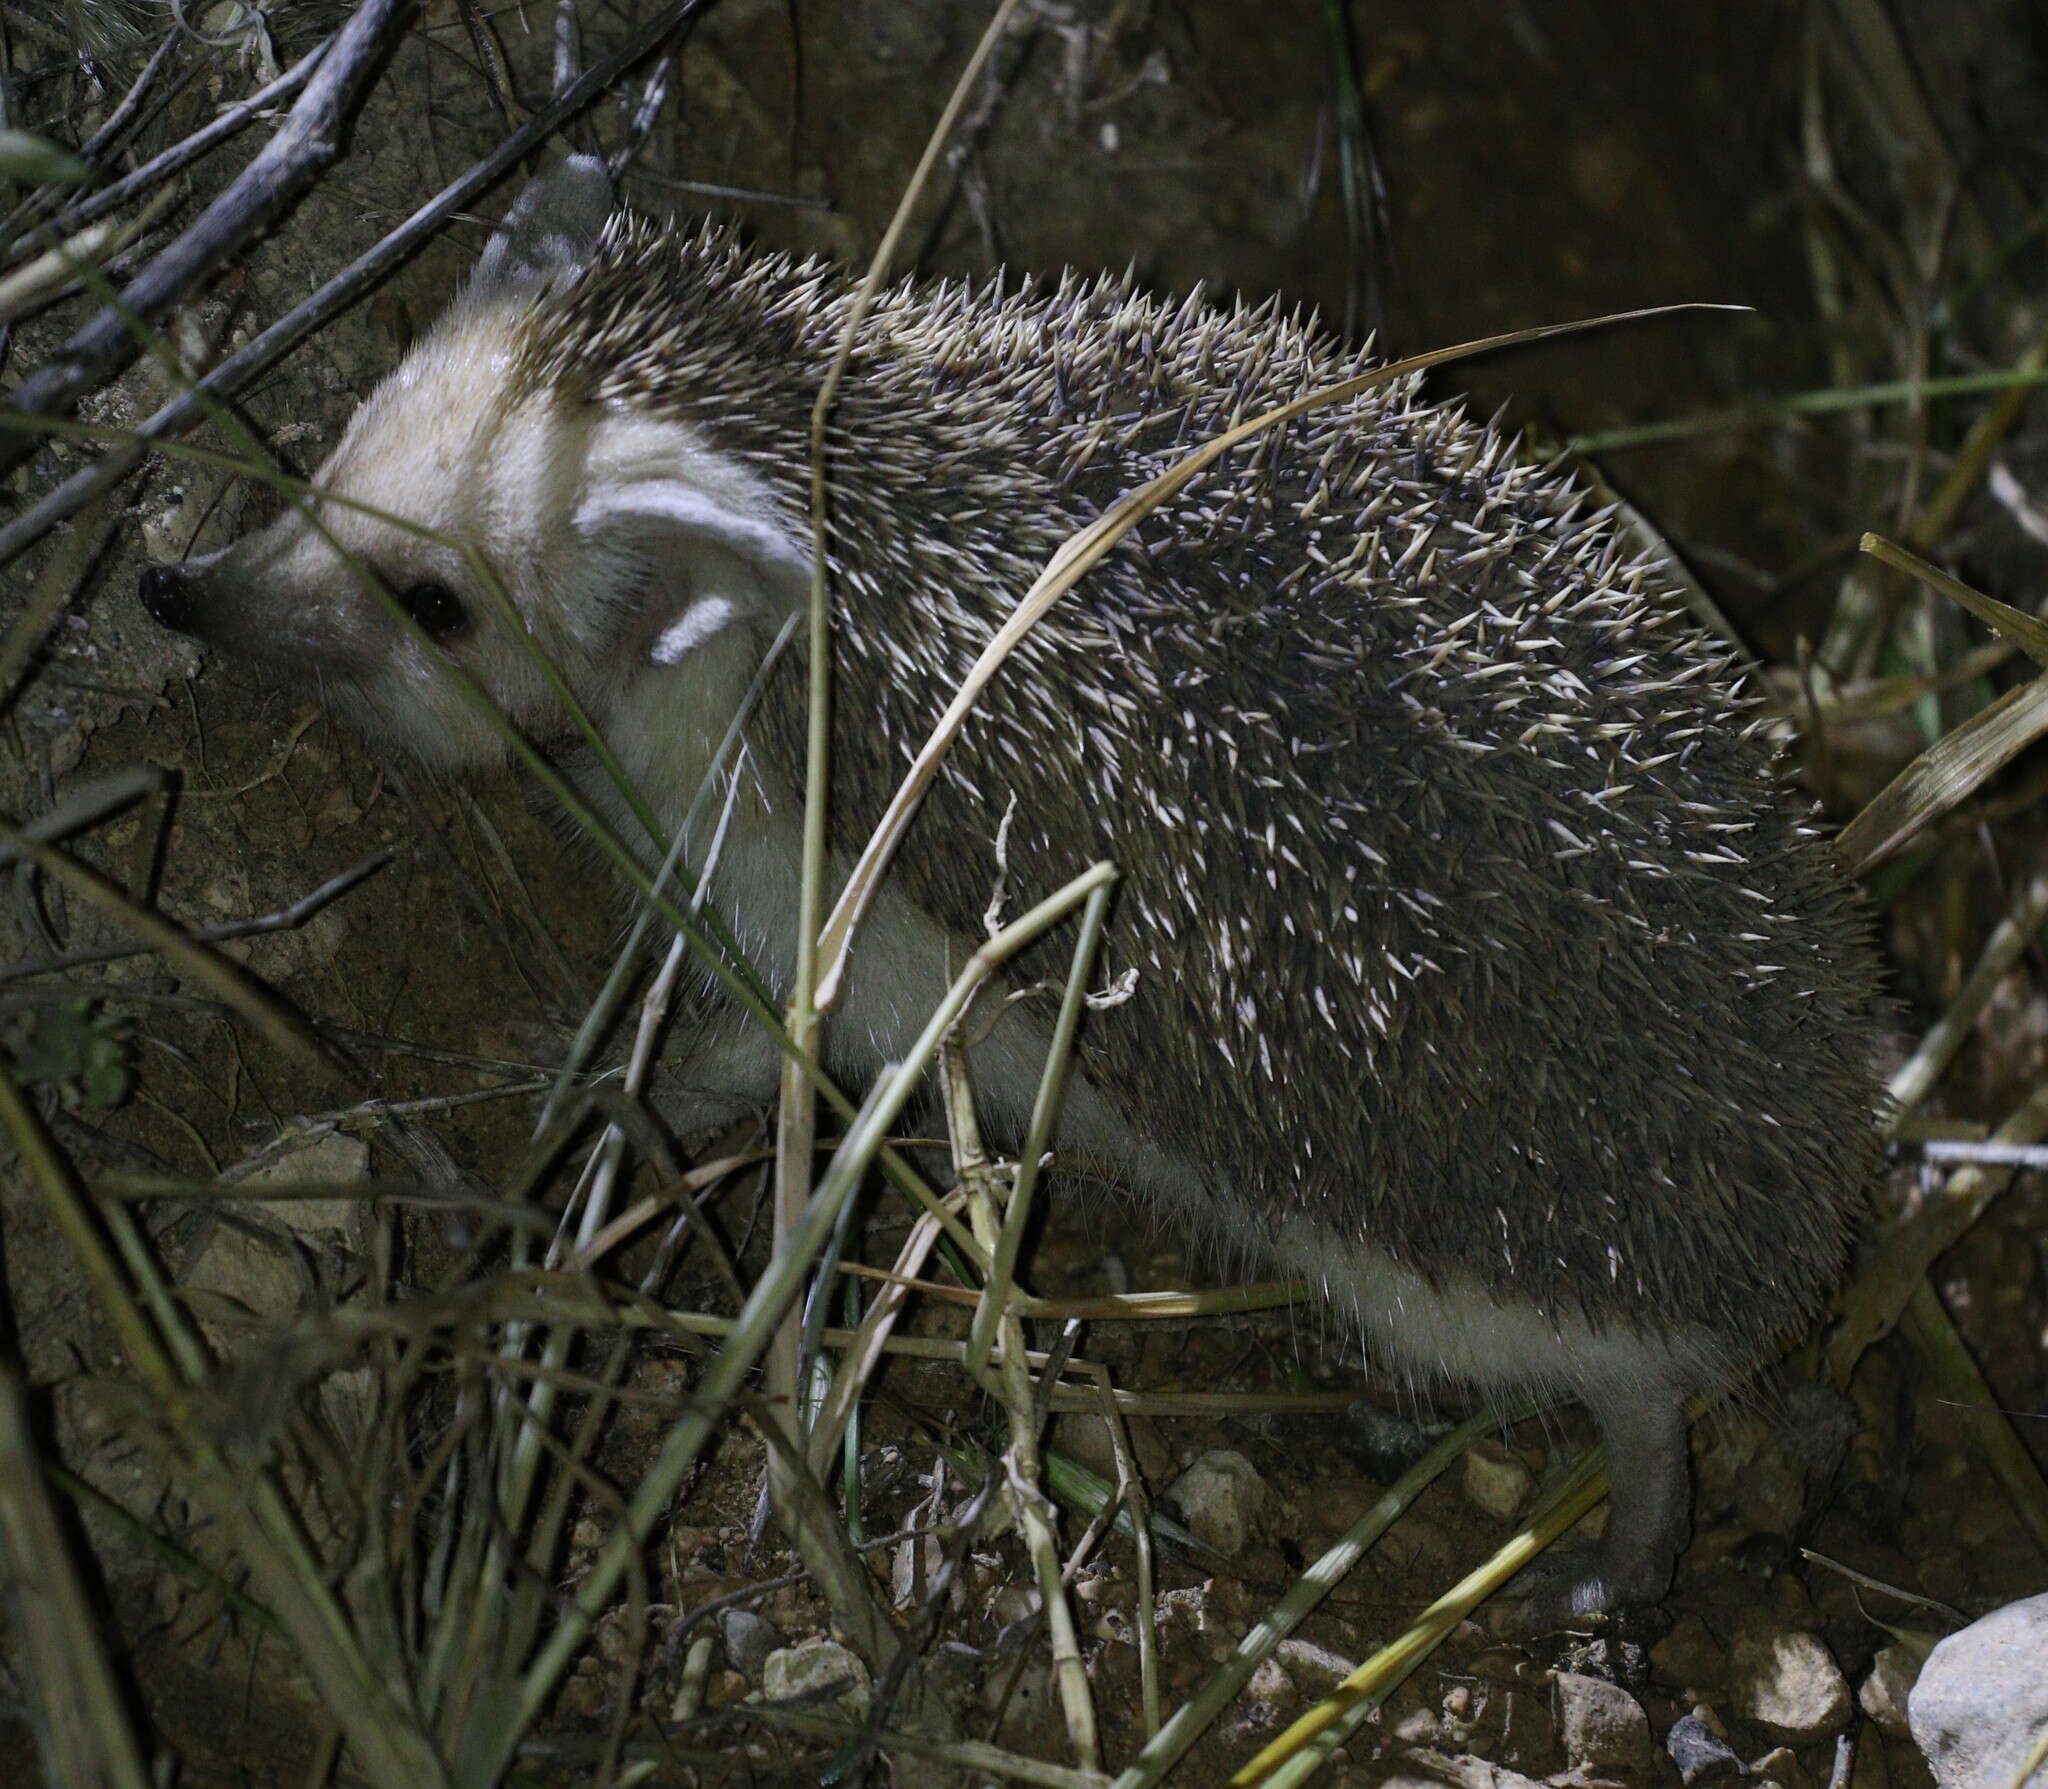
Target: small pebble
{"type": "Point", "coordinates": [1787, 1681]}
{"type": "Point", "coordinates": [1601, 1724]}
{"type": "Point", "coordinates": [1220, 1497]}
{"type": "Point", "coordinates": [811, 1669]}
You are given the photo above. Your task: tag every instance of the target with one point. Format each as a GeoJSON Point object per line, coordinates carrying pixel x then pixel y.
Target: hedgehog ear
{"type": "Point", "coordinates": [710, 561]}
{"type": "Point", "coordinates": [551, 229]}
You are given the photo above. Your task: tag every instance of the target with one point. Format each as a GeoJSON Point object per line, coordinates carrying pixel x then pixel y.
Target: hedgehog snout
{"type": "Point", "coordinates": [167, 596]}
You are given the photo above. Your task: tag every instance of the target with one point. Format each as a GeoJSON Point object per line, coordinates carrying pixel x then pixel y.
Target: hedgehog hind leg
{"type": "Point", "coordinates": [1649, 1502]}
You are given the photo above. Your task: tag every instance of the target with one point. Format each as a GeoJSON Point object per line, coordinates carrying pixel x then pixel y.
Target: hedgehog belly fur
{"type": "Point", "coordinates": [1480, 971]}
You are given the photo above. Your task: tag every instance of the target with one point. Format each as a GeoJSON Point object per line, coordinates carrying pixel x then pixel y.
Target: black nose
{"type": "Point", "coordinates": [167, 597]}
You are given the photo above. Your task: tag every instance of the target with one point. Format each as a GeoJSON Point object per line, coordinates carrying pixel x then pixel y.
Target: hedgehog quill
{"type": "Point", "coordinates": [1484, 975]}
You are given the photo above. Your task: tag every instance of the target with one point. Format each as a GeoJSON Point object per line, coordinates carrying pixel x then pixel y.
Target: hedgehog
{"type": "Point", "coordinates": [1482, 972]}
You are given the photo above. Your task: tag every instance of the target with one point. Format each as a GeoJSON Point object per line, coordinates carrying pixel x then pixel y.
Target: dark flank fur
{"type": "Point", "coordinates": [1468, 910]}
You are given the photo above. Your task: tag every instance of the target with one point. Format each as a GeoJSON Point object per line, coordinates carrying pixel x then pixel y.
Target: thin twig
{"type": "Point", "coordinates": [289, 163]}
{"type": "Point", "coordinates": [216, 131]}
{"type": "Point", "coordinates": [89, 804]}
{"type": "Point", "coordinates": [368, 270]}
{"type": "Point", "coordinates": [1984, 1154]}
{"type": "Point", "coordinates": [568, 46]}
{"type": "Point", "coordinates": [95, 147]}
{"type": "Point", "coordinates": [282, 919]}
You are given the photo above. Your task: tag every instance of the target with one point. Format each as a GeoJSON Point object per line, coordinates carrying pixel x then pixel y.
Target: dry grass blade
{"type": "Point", "coordinates": [970, 1756]}
{"type": "Point", "coordinates": [1194, 1716]}
{"type": "Point", "coordinates": [1082, 551]}
{"type": "Point", "coordinates": [796, 1116]}
{"type": "Point", "coordinates": [1892, 695]}
{"type": "Point", "coordinates": [1007, 1242]}
{"type": "Point", "coordinates": [1306, 1746]}
{"type": "Point", "coordinates": [1957, 764]}
{"type": "Point", "coordinates": [760, 1317]}
{"type": "Point", "coordinates": [36, 161]}
{"type": "Point", "coordinates": [1962, 1386]}
{"type": "Point", "coordinates": [254, 1515]}
{"type": "Point", "coordinates": [1889, 1281]}
{"type": "Point", "coordinates": [1919, 1074]}
{"type": "Point", "coordinates": [1121, 1307]}
{"type": "Point", "coordinates": [2034, 1760]}
{"type": "Point", "coordinates": [2025, 631]}
{"type": "Point", "coordinates": [1023, 1490]}
{"type": "Point", "coordinates": [57, 271]}
{"type": "Point", "coordinates": [1948, 772]}
{"type": "Point", "coordinates": [1829, 400]}
{"type": "Point", "coordinates": [811, 988]}
{"type": "Point", "coordinates": [89, 803]}
{"type": "Point", "coordinates": [875, 1336]}
{"type": "Point", "coordinates": [82, 1723]}
{"type": "Point", "coordinates": [1973, 458]}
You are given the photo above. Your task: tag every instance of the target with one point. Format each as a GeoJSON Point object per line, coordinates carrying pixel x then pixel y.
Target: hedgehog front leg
{"type": "Point", "coordinates": [727, 1068]}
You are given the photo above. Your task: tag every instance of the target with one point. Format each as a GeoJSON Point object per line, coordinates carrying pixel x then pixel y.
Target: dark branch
{"type": "Point", "coordinates": [308, 142]}
{"type": "Point", "coordinates": [161, 166]}
{"type": "Point", "coordinates": [182, 412]}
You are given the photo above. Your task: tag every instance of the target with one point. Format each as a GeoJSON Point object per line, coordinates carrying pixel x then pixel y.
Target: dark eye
{"type": "Point", "coordinates": [437, 609]}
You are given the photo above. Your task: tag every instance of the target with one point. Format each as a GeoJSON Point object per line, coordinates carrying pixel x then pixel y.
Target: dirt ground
{"type": "Point", "coordinates": [1867, 180]}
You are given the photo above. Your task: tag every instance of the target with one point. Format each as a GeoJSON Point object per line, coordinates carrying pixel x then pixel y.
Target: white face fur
{"type": "Point", "coordinates": [625, 546]}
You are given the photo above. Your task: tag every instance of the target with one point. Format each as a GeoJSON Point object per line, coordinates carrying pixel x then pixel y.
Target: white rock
{"type": "Point", "coordinates": [1220, 1496]}
{"type": "Point", "coordinates": [1981, 1703]}
{"type": "Point", "coordinates": [1884, 1692]}
{"type": "Point", "coordinates": [1495, 1482]}
{"type": "Point", "coordinates": [1600, 1723]}
{"type": "Point", "coordinates": [811, 1669]}
{"type": "Point", "coordinates": [1788, 1681]}
{"type": "Point", "coordinates": [1314, 1667]}
{"type": "Point", "coordinates": [335, 1160]}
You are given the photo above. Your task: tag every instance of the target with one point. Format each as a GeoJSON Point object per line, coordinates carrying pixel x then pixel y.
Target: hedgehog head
{"type": "Point", "coordinates": [470, 502]}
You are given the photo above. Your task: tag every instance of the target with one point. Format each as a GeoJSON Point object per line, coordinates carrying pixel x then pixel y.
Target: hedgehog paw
{"type": "Point", "coordinates": [1576, 1586]}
